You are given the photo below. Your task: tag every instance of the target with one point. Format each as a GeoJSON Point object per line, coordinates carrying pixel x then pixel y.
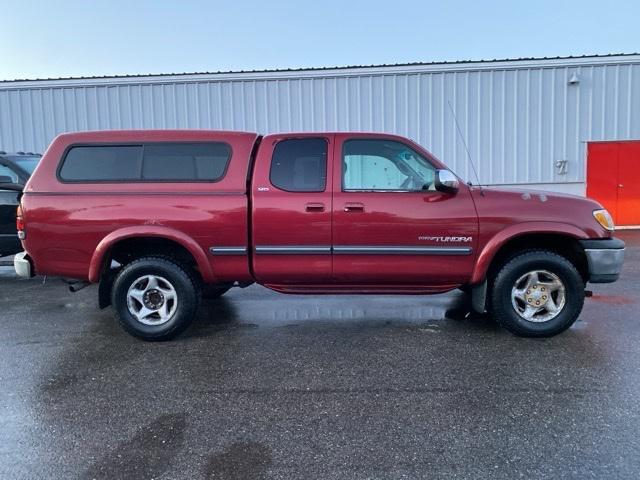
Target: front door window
{"type": "Point", "coordinates": [385, 165]}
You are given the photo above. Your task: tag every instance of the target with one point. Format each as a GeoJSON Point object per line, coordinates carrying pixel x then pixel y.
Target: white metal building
{"type": "Point", "coordinates": [526, 121]}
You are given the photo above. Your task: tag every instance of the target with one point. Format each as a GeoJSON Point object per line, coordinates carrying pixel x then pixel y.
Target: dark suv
{"type": "Point", "coordinates": [15, 170]}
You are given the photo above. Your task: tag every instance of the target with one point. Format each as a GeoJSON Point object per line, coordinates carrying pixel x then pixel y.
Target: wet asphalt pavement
{"type": "Point", "coordinates": [271, 386]}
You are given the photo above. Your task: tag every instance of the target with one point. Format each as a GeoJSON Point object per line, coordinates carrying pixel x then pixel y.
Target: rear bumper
{"type": "Point", "coordinates": [22, 265]}
{"type": "Point", "coordinates": [605, 258]}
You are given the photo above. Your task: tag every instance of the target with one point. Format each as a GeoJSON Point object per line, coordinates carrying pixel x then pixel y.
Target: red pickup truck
{"type": "Point", "coordinates": [159, 218]}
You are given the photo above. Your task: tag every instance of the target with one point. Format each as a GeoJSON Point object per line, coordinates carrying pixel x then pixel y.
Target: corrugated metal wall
{"type": "Point", "coordinates": [519, 118]}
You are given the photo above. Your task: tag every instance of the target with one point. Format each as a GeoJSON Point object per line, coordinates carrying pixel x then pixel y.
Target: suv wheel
{"type": "Point", "coordinates": [537, 294]}
{"type": "Point", "coordinates": [155, 298]}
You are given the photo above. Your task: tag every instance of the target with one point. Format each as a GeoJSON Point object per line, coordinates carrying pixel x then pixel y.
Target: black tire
{"type": "Point", "coordinates": [211, 292]}
{"type": "Point", "coordinates": [504, 312]}
{"type": "Point", "coordinates": [179, 278]}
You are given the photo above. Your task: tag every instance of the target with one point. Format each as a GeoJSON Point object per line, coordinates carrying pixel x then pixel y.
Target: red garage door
{"type": "Point", "coordinates": [613, 179]}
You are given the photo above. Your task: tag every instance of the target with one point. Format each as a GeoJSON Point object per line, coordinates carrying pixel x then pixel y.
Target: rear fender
{"type": "Point", "coordinates": [105, 245]}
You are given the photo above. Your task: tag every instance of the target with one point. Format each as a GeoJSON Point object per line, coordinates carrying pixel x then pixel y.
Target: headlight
{"type": "Point", "coordinates": [604, 219]}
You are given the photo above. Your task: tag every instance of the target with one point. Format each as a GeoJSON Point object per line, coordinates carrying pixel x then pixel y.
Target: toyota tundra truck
{"type": "Point", "coordinates": [159, 218]}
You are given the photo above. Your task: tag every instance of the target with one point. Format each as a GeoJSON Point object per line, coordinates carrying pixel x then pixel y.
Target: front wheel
{"type": "Point", "coordinates": [155, 298]}
{"type": "Point", "coordinates": [537, 293]}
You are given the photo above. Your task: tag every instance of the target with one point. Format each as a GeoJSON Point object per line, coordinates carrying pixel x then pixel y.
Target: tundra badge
{"type": "Point", "coordinates": [445, 239]}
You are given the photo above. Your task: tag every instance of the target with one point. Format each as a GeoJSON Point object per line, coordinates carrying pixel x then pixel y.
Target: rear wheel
{"type": "Point", "coordinates": [155, 298]}
{"type": "Point", "coordinates": [537, 293]}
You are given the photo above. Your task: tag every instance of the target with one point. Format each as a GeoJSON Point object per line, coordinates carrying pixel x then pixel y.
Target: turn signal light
{"type": "Point", "coordinates": [604, 218]}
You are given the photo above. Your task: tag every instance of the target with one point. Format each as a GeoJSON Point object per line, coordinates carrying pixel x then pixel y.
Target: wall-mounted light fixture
{"type": "Point", "coordinates": [574, 80]}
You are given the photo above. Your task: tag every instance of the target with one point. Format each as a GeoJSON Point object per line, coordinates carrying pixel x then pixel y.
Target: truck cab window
{"type": "Point", "coordinates": [384, 165]}
{"type": "Point", "coordinates": [300, 165]}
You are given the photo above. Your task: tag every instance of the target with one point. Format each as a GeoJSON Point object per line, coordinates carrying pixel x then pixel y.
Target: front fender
{"type": "Point", "coordinates": [97, 260]}
{"type": "Point", "coordinates": [492, 247]}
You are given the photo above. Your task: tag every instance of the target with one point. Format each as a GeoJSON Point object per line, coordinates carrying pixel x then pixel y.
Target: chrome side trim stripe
{"type": "Point", "coordinates": [365, 250]}
{"type": "Point", "coordinates": [361, 250]}
{"type": "Point", "coordinates": [294, 250]}
{"type": "Point", "coordinates": [228, 250]}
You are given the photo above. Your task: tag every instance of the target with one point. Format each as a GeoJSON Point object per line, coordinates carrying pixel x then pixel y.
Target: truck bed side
{"type": "Point", "coordinates": [72, 226]}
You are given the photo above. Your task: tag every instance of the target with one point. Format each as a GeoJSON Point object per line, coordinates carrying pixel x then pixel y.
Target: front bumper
{"type": "Point", "coordinates": [605, 258]}
{"type": "Point", "coordinates": [22, 265]}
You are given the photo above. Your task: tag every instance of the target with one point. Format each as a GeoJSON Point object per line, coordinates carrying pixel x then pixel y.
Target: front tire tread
{"type": "Point", "coordinates": [500, 294]}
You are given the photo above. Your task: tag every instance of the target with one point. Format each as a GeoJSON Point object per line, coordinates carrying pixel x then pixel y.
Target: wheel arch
{"type": "Point", "coordinates": [152, 240]}
{"type": "Point", "coordinates": [559, 238]}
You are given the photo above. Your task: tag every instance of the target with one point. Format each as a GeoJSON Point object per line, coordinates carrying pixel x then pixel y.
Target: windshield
{"type": "Point", "coordinates": [27, 163]}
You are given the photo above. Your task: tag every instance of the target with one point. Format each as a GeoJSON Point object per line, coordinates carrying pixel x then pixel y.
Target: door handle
{"type": "Point", "coordinates": [354, 207]}
{"type": "Point", "coordinates": [314, 207]}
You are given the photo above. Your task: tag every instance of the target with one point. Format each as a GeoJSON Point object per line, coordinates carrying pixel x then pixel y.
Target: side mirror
{"type": "Point", "coordinates": [446, 182]}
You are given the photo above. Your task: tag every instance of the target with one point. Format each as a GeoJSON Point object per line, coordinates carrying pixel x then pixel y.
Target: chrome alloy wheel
{"type": "Point", "coordinates": [538, 296]}
{"type": "Point", "coordinates": [152, 300]}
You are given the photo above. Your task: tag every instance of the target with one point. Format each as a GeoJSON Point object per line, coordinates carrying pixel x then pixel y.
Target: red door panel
{"type": "Point", "coordinates": [628, 209]}
{"type": "Point", "coordinates": [404, 221]}
{"type": "Point", "coordinates": [602, 175]}
{"type": "Point", "coordinates": [613, 179]}
{"type": "Point", "coordinates": [291, 230]}
{"type": "Point", "coordinates": [420, 238]}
